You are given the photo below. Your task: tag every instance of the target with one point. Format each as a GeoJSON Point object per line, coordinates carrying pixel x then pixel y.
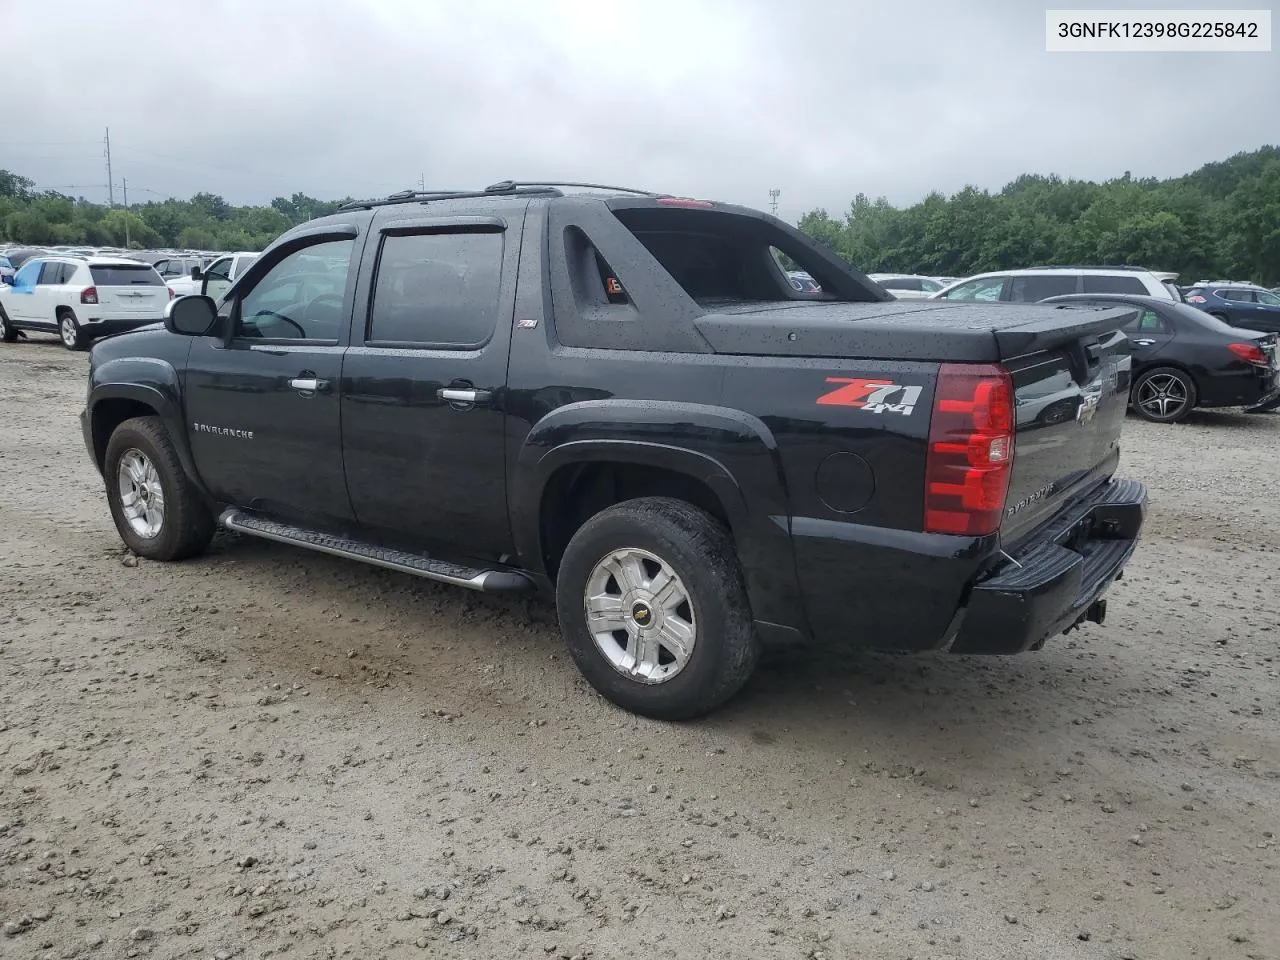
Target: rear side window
{"type": "Point", "coordinates": [1034, 288]}
{"type": "Point", "coordinates": [1147, 321]}
{"type": "Point", "coordinates": [437, 289]}
{"type": "Point", "coordinates": [1098, 283]}
{"type": "Point", "coordinates": [122, 275]}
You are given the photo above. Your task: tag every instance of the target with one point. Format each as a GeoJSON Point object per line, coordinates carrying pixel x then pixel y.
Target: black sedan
{"type": "Point", "coordinates": [1184, 358]}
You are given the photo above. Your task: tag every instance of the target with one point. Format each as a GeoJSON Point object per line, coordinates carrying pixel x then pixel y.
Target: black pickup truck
{"type": "Point", "coordinates": [618, 399]}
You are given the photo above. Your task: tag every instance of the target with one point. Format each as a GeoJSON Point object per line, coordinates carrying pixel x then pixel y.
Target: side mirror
{"type": "Point", "coordinates": [8, 280]}
{"type": "Point", "coordinates": [196, 273]}
{"type": "Point", "coordinates": [192, 316]}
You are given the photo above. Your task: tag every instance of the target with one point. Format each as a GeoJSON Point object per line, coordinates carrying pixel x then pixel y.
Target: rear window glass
{"type": "Point", "coordinates": [901, 283]}
{"type": "Point", "coordinates": [719, 257]}
{"type": "Point", "coordinates": [1034, 288]}
{"type": "Point", "coordinates": [126, 276]}
{"type": "Point", "coordinates": [1094, 283]}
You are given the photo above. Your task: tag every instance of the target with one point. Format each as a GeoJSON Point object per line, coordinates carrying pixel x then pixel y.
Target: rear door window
{"type": "Point", "coordinates": [1243, 296]}
{"type": "Point", "coordinates": [1099, 283]}
{"type": "Point", "coordinates": [51, 273]}
{"type": "Point", "coordinates": [1035, 288]}
{"type": "Point", "coordinates": [438, 290]}
{"type": "Point", "coordinates": [122, 275]}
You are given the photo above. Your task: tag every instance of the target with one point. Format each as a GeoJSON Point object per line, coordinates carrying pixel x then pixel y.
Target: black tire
{"type": "Point", "coordinates": [1165, 381]}
{"type": "Point", "coordinates": [8, 332]}
{"type": "Point", "coordinates": [69, 331]}
{"type": "Point", "coordinates": [700, 552]}
{"type": "Point", "coordinates": [187, 525]}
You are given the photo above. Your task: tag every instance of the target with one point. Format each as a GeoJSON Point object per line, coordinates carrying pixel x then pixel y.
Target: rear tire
{"type": "Point", "coordinates": [8, 332]}
{"type": "Point", "coordinates": [69, 330]}
{"type": "Point", "coordinates": [140, 467]}
{"type": "Point", "coordinates": [664, 575]}
{"type": "Point", "coordinates": [1163, 395]}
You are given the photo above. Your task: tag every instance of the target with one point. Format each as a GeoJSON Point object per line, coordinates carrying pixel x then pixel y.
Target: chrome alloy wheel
{"type": "Point", "coordinates": [640, 615]}
{"type": "Point", "coordinates": [68, 330]}
{"type": "Point", "coordinates": [1162, 395]}
{"type": "Point", "coordinates": [141, 495]}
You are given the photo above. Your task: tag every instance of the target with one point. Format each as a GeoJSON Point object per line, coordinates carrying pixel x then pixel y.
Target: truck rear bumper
{"type": "Point", "coordinates": [1059, 579]}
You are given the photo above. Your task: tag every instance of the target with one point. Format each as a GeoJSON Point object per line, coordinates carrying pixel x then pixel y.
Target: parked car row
{"type": "Point", "coordinates": [1212, 344]}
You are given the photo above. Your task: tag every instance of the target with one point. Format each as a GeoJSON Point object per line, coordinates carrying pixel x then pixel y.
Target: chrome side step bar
{"type": "Point", "coordinates": [473, 578]}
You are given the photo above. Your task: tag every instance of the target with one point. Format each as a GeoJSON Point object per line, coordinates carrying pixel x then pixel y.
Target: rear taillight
{"type": "Point", "coordinates": [970, 450]}
{"type": "Point", "coordinates": [170, 289]}
{"type": "Point", "coordinates": [1249, 353]}
{"type": "Point", "coordinates": [1195, 298]}
{"type": "Point", "coordinates": [89, 295]}
{"type": "Point", "coordinates": [684, 202]}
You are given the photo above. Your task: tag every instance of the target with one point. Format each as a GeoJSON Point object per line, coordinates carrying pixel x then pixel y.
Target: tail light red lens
{"type": "Point", "coordinates": [170, 289]}
{"type": "Point", "coordinates": [1249, 353]}
{"type": "Point", "coordinates": [89, 295]}
{"type": "Point", "coordinates": [1195, 298]}
{"type": "Point", "coordinates": [970, 450]}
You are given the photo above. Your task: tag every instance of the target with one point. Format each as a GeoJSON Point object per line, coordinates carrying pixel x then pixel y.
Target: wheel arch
{"type": "Point", "coordinates": [585, 457]}
{"type": "Point", "coordinates": [111, 404]}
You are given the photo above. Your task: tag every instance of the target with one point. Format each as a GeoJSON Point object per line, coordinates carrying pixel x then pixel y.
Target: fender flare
{"type": "Point", "coordinates": [736, 457]}
{"type": "Point", "coordinates": [158, 389]}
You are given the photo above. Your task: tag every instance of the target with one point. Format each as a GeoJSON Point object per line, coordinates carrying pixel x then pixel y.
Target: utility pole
{"type": "Point", "coordinates": [111, 194]}
{"type": "Point", "coordinates": [773, 200]}
{"type": "Point", "coordinates": [422, 182]}
{"type": "Point", "coordinates": [124, 184]}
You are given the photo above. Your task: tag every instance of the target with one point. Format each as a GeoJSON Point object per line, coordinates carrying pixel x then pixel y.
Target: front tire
{"type": "Point", "coordinates": [70, 332]}
{"type": "Point", "coordinates": [1163, 395]}
{"type": "Point", "coordinates": [156, 508]}
{"type": "Point", "coordinates": [654, 609]}
{"type": "Point", "coordinates": [8, 332]}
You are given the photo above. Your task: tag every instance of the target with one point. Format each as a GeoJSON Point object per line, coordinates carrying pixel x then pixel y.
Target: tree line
{"type": "Point", "coordinates": [1220, 222]}
{"type": "Point", "coordinates": [205, 222]}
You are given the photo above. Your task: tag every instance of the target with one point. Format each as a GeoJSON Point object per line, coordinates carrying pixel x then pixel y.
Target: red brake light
{"type": "Point", "coordinates": [1195, 298]}
{"type": "Point", "coordinates": [1249, 353]}
{"type": "Point", "coordinates": [170, 289]}
{"type": "Point", "coordinates": [683, 202]}
{"type": "Point", "coordinates": [970, 450]}
{"type": "Point", "coordinates": [89, 295]}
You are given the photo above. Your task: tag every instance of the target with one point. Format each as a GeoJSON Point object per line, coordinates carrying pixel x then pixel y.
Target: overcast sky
{"type": "Point", "coordinates": [719, 98]}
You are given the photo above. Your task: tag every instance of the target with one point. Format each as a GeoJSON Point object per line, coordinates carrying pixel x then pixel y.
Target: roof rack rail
{"type": "Point", "coordinates": [550, 188]}
{"type": "Point", "coordinates": [507, 186]}
{"type": "Point", "coordinates": [1096, 266]}
{"type": "Point", "coordinates": [425, 196]}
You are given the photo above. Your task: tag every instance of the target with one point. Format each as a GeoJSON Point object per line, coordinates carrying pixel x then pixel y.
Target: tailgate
{"type": "Point", "coordinates": [129, 291]}
{"type": "Point", "coordinates": [1071, 392]}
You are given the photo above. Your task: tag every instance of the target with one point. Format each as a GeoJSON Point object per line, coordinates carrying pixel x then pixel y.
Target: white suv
{"type": "Point", "coordinates": [907, 286]}
{"type": "Point", "coordinates": [1030, 286]}
{"type": "Point", "coordinates": [217, 279]}
{"type": "Point", "coordinates": [81, 298]}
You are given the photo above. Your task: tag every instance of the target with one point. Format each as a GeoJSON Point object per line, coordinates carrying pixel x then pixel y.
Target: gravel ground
{"type": "Point", "coordinates": [264, 751]}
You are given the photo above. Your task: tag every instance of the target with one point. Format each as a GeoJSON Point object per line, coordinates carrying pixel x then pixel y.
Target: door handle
{"type": "Point", "coordinates": [308, 384]}
{"type": "Point", "coordinates": [464, 394]}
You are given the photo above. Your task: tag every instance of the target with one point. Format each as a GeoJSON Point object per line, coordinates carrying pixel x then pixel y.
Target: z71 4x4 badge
{"type": "Point", "coordinates": [873, 396]}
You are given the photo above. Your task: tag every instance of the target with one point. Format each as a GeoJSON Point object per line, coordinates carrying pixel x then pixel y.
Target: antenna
{"type": "Point", "coordinates": [773, 200]}
{"type": "Point", "coordinates": [111, 195]}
